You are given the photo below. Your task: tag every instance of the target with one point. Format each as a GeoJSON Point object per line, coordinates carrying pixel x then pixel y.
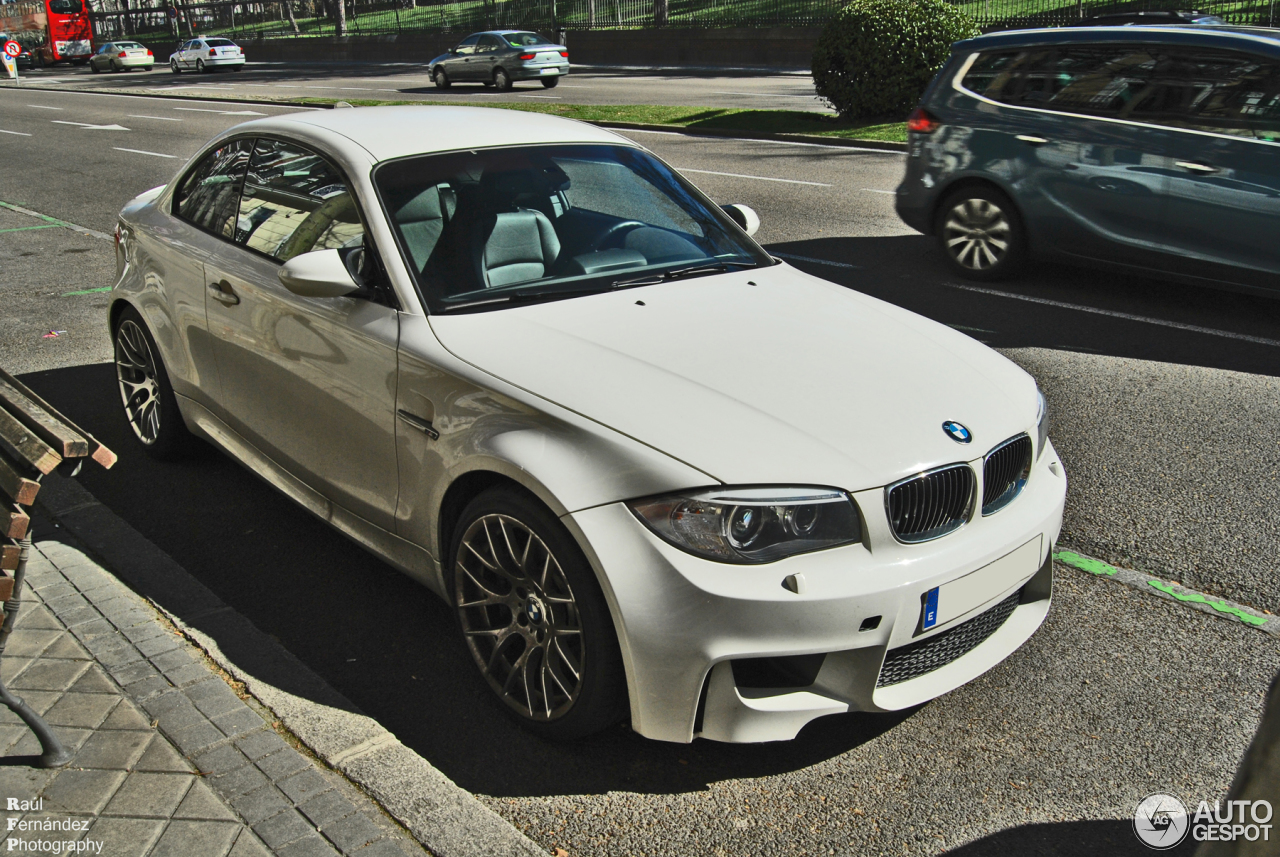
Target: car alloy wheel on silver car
{"type": "Point", "coordinates": [519, 616]}
{"type": "Point", "coordinates": [139, 384]}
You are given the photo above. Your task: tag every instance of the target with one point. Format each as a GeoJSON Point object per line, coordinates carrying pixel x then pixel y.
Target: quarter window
{"type": "Point", "coordinates": [210, 194]}
{"type": "Point", "coordinates": [295, 201]}
{"type": "Point", "coordinates": [1220, 91]}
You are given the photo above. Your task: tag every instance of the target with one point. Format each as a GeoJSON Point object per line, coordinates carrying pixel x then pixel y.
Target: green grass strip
{"type": "Point", "coordinates": [85, 291]}
{"type": "Point", "coordinates": [1084, 563]}
{"type": "Point", "coordinates": [693, 118]}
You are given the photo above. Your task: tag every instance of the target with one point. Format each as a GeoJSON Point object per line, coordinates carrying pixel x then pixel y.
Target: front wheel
{"type": "Point", "coordinates": [534, 618]}
{"type": "Point", "coordinates": [502, 80]}
{"type": "Point", "coordinates": [441, 79]}
{"type": "Point", "coordinates": [550, 82]}
{"type": "Point", "coordinates": [981, 233]}
{"type": "Point", "coordinates": [173, 67]}
{"type": "Point", "coordinates": [149, 403]}
{"type": "Point", "coordinates": [93, 67]}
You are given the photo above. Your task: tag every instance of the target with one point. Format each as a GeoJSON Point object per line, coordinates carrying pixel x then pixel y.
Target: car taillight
{"type": "Point", "coordinates": [527, 56]}
{"type": "Point", "coordinates": [123, 55]}
{"type": "Point", "coordinates": [213, 52]}
{"type": "Point", "coordinates": [149, 53]}
{"type": "Point", "coordinates": [922, 121]}
{"type": "Point", "coordinates": [564, 53]}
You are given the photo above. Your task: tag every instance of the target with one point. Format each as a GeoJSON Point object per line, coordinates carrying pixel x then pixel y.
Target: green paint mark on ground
{"type": "Point", "coordinates": [1220, 606]}
{"type": "Point", "coordinates": [27, 228]}
{"type": "Point", "coordinates": [1084, 563]}
{"type": "Point", "coordinates": [52, 221]}
{"type": "Point", "coordinates": [85, 291]}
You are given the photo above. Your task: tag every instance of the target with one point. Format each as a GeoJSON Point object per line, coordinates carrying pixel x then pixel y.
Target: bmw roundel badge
{"type": "Point", "coordinates": [957, 432]}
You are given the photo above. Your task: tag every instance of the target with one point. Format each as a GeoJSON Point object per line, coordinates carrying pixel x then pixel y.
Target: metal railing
{"type": "Point", "coordinates": [303, 18]}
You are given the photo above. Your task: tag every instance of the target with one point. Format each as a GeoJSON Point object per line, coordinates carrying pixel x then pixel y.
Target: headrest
{"type": "Point", "coordinates": [424, 206]}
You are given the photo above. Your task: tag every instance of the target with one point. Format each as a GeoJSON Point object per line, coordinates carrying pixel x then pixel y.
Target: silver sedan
{"type": "Point", "coordinates": [122, 56]}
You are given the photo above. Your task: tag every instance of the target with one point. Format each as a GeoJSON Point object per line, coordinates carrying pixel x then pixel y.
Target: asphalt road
{"type": "Point", "coordinates": [413, 82]}
{"type": "Point", "coordinates": [1164, 401]}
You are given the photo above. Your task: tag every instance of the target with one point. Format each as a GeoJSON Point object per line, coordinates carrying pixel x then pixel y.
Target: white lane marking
{"type": "Point", "coordinates": [1176, 325]}
{"type": "Point", "coordinates": [875, 190]}
{"type": "Point", "coordinates": [89, 126]}
{"type": "Point", "coordinates": [557, 97]}
{"type": "Point", "coordinates": [760, 94]}
{"type": "Point", "coordinates": [754, 140]}
{"type": "Point", "coordinates": [16, 133]}
{"type": "Point", "coordinates": [757, 178]}
{"type": "Point", "coordinates": [42, 107]}
{"type": "Point", "coordinates": [222, 112]}
{"type": "Point", "coordinates": [143, 152]}
{"type": "Point", "coordinates": [161, 118]}
{"type": "Point", "coordinates": [815, 261]}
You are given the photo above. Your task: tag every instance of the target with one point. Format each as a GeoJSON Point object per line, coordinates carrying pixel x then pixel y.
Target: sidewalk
{"type": "Point", "coordinates": [167, 758]}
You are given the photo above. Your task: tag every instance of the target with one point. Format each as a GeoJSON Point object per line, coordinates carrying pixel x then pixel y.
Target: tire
{"type": "Point", "coordinates": [238, 67]}
{"type": "Point", "coordinates": [146, 395]}
{"type": "Point", "coordinates": [148, 68]}
{"type": "Point", "coordinates": [115, 69]}
{"type": "Point", "coordinates": [441, 79]}
{"type": "Point", "coordinates": [551, 82]}
{"type": "Point", "coordinates": [200, 69]}
{"type": "Point", "coordinates": [173, 67]}
{"type": "Point", "coordinates": [534, 619]}
{"type": "Point", "coordinates": [502, 80]}
{"type": "Point", "coordinates": [981, 233]}
{"type": "Point", "coordinates": [93, 67]}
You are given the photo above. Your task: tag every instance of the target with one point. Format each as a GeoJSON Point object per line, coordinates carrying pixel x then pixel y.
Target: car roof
{"type": "Point", "coordinates": [395, 132]}
{"type": "Point", "coordinates": [1258, 39]}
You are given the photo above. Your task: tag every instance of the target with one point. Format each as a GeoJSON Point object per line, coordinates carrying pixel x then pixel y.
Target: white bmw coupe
{"type": "Point", "coordinates": [653, 469]}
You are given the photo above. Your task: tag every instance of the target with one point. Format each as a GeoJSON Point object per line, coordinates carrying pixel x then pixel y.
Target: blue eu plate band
{"type": "Point", "coordinates": [930, 609]}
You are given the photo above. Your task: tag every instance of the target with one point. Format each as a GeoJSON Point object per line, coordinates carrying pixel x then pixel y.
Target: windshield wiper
{"type": "Point", "coordinates": [680, 273]}
{"type": "Point", "coordinates": [525, 297]}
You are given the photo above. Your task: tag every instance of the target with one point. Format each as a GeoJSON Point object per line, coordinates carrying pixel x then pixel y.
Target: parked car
{"type": "Point", "coordinates": [500, 58]}
{"type": "Point", "coordinates": [24, 59]}
{"type": "Point", "coordinates": [1128, 19]}
{"type": "Point", "coordinates": [206, 54]}
{"type": "Point", "coordinates": [519, 357]}
{"type": "Point", "coordinates": [1154, 149]}
{"type": "Point", "coordinates": [122, 56]}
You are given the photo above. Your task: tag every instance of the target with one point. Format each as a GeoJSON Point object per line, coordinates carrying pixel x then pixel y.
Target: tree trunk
{"type": "Point", "coordinates": [293, 22]}
{"type": "Point", "coordinates": [591, 14]}
{"type": "Point", "coordinates": [659, 13]}
{"type": "Point", "coordinates": [340, 17]}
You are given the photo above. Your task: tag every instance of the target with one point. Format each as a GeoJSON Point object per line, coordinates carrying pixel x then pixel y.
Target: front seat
{"type": "Point", "coordinates": [514, 247]}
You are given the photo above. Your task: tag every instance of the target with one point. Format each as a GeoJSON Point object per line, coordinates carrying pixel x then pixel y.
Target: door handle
{"type": "Point", "coordinates": [221, 292]}
{"type": "Point", "coordinates": [1196, 168]}
{"type": "Point", "coordinates": [419, 423]}
{"type": "Point", "coordinates": [1035, 141]}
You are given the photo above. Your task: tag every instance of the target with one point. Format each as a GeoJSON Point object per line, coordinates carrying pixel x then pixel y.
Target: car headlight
{"type": "Point", "coordinates": [1042, 423]}
{"type": "Point", "coordinates": [752, 525]}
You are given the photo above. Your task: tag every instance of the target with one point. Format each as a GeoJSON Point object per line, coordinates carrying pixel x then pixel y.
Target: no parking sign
{"type": "Point", "coordinates": [11, 49]}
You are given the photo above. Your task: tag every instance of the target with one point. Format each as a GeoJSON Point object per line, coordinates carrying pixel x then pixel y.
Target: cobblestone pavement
{"type": "Point", "coordinates": [167, 758]}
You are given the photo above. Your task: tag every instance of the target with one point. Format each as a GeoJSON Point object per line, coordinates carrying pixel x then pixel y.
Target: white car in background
{"type": "Point", "coordinates": [206, 54]}
{"type": "Point", "coordinates": [651, 468]}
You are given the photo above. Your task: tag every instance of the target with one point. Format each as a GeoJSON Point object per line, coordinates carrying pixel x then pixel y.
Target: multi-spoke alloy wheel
{"type": "Point", "coordinates": [980, 233]}
{"type": "Point", "coordinates": [519, 616]}
{"type": "Point", "coordinates": [139, 386]}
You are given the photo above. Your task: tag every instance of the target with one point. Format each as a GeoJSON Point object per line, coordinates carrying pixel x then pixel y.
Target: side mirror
{"type": "Point", "coordinates": [743, 215]}
{"type": "Point", "coordinates": [318, 274]}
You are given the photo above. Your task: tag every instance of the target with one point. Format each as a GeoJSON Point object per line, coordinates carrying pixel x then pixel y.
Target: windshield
{"type": "Point", "coordinates": [521, 40]}
{"type": "Point", "coordinates": [66, 7]}
{"type": "Point", "coordinates": [544, 222]}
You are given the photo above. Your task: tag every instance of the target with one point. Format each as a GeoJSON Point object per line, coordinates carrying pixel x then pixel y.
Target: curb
{"type": "Point", "coordinates": [1220, 608]}
{"type": "Point", "coordinates": [446, 819]}
{"type": "Point", "coordinates": [811, 139]}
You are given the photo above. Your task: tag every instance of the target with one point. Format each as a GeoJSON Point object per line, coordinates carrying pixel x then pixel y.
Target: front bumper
{"type": "Point", "coordinates": [683, 621]}
{"type": "Point", "coordinates": [530, 72]}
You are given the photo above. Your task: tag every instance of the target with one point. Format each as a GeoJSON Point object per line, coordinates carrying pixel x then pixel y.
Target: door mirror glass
{"type": "Point", "coordinates": [318, 274]}
{"type": "Point", "coordinates": [743, 215]}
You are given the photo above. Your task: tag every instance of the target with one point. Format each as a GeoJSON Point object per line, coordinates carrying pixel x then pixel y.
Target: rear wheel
{"type": "Point", "coordinates": [502, 80]}
{"type": "Point", "coordinates": [981, 233]}
{"type": "Point", "coordinates": [534, 618]}
{"type": "Point", "coordinates": [115, 68]}
{"type": "Point", "coordinates": [145, 391]}
{"type": "Point", "coordinates": [200, 69]}
{"type": "Point", "coordinates": [550, 82]}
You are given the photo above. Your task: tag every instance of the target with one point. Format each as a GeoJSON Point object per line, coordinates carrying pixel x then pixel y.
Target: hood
{"type": "Point", "coordinates": [793, 380]}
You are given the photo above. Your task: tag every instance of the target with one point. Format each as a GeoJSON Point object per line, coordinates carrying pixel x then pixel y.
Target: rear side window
{"type": "Point", "coordinates": [210, 193]}
{"type": "Point", "coordinates": [1097, 80]}
{"type": "Point", "coordinates": [1221, 91]}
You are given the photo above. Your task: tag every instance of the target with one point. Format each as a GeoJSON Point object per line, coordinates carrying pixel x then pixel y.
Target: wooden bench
{"type": "Point", "coordinates": [35, 440]}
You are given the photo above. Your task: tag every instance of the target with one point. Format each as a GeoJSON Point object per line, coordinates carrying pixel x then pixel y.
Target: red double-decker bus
{"type": "Point", "coordinates": [52, 30]}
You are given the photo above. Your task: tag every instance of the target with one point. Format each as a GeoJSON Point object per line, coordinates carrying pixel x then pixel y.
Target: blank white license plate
{"type": "Point", "coordinates": [550, 71]}
{"type": "Point", "coordinates": [946, 602]}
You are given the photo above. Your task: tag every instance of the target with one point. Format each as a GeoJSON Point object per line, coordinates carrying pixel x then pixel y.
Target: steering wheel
{"type": "Point", "coordinates": [614, 230]}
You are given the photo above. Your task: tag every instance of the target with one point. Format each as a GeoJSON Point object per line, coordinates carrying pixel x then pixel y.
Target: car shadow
{"type": "Point", "coordinates": [1055, 305]}
{"type": "Point", "coordinates": [381, 640]}
{"type": "Point", "coordinates": [1067, 839]}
